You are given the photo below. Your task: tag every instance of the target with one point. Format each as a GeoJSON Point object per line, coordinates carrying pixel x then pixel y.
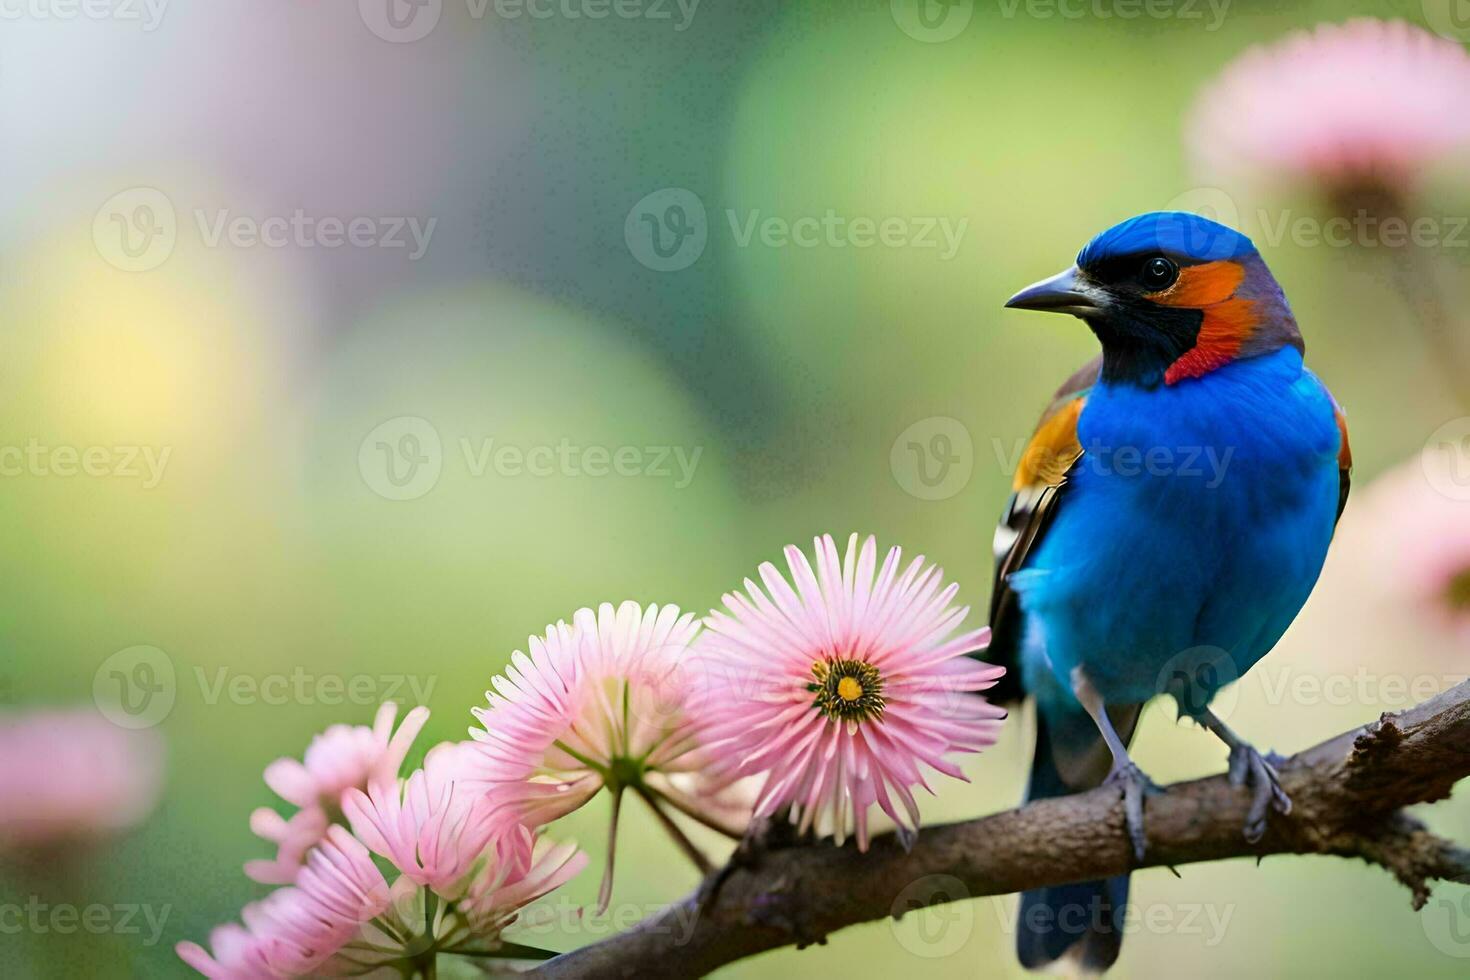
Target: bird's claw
{"type": "Point", "coordinates": [1136, 785]}
{"type": "Point", "coordinates": [1249, 767]}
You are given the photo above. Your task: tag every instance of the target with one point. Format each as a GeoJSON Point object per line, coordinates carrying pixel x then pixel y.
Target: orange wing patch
{"type": "Point", "coordinates": [1344, 462]}
{"type": "Point", "coordinates": [1345, 453]}
{"type": "Point", "coordinates": [1052, 449]}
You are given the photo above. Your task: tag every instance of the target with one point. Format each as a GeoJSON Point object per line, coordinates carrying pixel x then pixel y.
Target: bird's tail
{"type": "Point", "coordinates": [1082, 921]}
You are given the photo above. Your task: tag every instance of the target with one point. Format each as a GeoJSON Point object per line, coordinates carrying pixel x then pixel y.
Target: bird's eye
{"type": "Point", "coordinates": [1159, 273]}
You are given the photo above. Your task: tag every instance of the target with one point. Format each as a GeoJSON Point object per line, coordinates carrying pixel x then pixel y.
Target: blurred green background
{"type": "Point", "coordinates": [268, 547]}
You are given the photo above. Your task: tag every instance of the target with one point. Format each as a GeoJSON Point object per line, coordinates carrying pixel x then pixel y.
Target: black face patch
{"type": "Point", "coordinates": [1138, 273]}
{"type": "Point", "coordinates": [1140, 338]}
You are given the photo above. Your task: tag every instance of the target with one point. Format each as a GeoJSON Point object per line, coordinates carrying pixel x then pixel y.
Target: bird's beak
{"type": "Point", "coordinates": [1065, 292]}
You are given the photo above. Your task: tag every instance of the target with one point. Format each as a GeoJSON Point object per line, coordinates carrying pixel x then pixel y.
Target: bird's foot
{"type": "Point", "coordinates": [1249, 768]}
{"type": "Point", "coordinates": [1136, 785]}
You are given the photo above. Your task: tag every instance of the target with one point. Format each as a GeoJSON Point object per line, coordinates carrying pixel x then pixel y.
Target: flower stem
{"type": "Point", "coordinates": [1419, 284]}
{"type": "Point", "coordinates": [686, 845]}
{"type": "Point", "coordinates": [693, 811]}
{"type": "Point", "coordinates": [604, 893]}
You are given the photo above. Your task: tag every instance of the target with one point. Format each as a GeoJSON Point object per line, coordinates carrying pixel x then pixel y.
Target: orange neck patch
{"type": "Point", "coordinates": [1228, 322]}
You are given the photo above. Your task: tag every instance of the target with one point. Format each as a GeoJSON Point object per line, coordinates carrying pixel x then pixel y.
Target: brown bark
{"type": "Point", "coordinates": [1348, 793]}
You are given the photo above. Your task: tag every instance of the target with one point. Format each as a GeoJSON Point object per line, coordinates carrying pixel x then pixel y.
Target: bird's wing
{"type": "Point", "coordinates": [1344, 462]}
{"type": "Point", "coordinates": [1036, 493]}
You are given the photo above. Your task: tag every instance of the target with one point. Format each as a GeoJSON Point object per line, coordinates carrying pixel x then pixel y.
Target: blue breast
{"type": "Point", "coordinates": [1198, 517]}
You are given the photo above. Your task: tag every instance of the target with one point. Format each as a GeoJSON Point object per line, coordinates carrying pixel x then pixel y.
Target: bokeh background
{"type": "Point", "coordinates": [298, 390]}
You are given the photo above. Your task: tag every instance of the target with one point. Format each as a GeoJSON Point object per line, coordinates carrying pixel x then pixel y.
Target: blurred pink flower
{"type": "Point", "coordinates": [838, 689]}
{"type": "Point", "coordinates": [433, 827]}
{"type": "Point", "coordinates": [234, 954]}
{"type": "Point", "coordinates": [301, 930]}
{"type": "Point", "coordinates": [1363, 104]}
{"type": "Point", "coordinates": [343, 758]}
{"type": "Point", "coordinates": [69, 776]}
{"type": "Point", "coordinates": [1418, 517]}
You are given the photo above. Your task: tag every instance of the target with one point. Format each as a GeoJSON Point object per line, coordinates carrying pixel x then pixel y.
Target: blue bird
{"type": "Point", "coordinates": [1169, 518]}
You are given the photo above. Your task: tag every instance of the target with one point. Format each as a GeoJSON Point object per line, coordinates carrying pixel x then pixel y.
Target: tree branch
{"type": "Point", "coordinates": [1348, 795]}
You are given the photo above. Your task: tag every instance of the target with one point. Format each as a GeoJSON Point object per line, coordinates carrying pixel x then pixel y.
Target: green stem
{"type": "Point", "coordinates": [604, 893]}
{"type": "Point", "coordinates": [692, 810]}
{"type": "Point", "coordinates": [509, 951]}
{"type": "Point", "coordinates": [595, 767]}
{"type": "Point", "coordinates": [686, 845]}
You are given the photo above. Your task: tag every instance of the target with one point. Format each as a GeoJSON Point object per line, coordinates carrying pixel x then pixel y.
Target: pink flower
{"type": "Point", "coordinates": [836, 691]}
{"type": "Point", "coordinates": [1418, 521]}
{"type": "Point", "coordinates": [302, 930]}
{"type": "Point", "coordinates": [344, 757]}
{"type": "Point", "coordinates": [434, 827]}
{"type": "Point", "coordinates": [592, 698]}
{"type": "Point", "coordinates": [597, 704]}
{"type": "Point", "coordinates": [1361, 104]}
{"type": "Point", "coordinates": [523, 869]}
{"type": "Point", "coordinates": [68, 776]}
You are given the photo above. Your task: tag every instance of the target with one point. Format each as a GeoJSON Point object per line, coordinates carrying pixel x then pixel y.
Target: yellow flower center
{"type": "Point", "coordinates": [847, 690]}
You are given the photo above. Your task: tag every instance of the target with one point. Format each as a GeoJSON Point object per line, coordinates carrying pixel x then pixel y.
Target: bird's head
{"type": "Point", "coordinates": [1171, 296]}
